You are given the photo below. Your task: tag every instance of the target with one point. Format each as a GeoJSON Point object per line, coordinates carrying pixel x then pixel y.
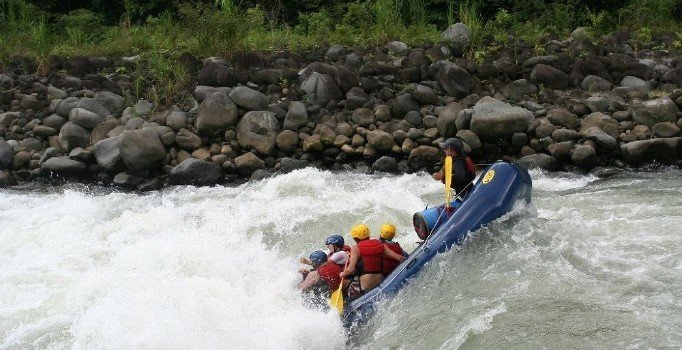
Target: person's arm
{"type": "Point", "coordinates": [306, 261]}
{"type": "Point", "coordinates": [354, 255]}
{"type": "Point", "coordinates": [393, 255]}
{"type": "Point", "coordinates": [459, 173]}
{"type": "Point", "coordinates": [309, 281]}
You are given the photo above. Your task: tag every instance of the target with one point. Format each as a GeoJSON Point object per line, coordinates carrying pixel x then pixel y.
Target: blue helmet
{"type": "Point", "coordinates": [318, 257]}
{"type": "Point", "coordinates": [335, 240]}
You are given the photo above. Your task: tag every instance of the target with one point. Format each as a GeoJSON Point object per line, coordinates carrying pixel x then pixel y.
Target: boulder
{"type": "Point", "coordinates": [201, 92]}
{"type": "Point", "coordinates": [176, 119]}
{"type": "Point", "coordinates": [673, 76]}
{"type": "Point", "coordinates": [215, 114]}
{"type": "Point", "coordinates": [6, 82]}
{"type": "Point", "coordinates": [72, 136]}
{"type": "Point", "coordinates": [108, 154]}
{"type": "Point", "coordinates": [287, 140]}
{"type": "Point", "coordinates": [363, 117]}
{"type": "Point", "coordinates": [654, 111]}
{"type": "Point", "coordinates": [424, 95]}
{"type": "Point", "coordinates": [321, 88]}
{"type": "Point", "coordinates": [606, 142]}
{"type": "Point", "coordinates": [458, 36]}
{"type": "Point", "coordinates": [585, 157]}
{"type": "Point", "coordinates": [380, 140]}
{"type": "Point", "coordinates": [663, 150]}
{"type": "Point", "coordinates": [403, 104]}
{"type": "Point", "coordinates": [635, 83]}
{"type": "Point", "coordinates": [247, 163]}
{"type": "Point", "coordinates": [593, 83]}
{"type": "Point", "coordinates": [287, 164]}
{"type": "Point", "coordinates": [141, 149]}
{"type": "Point", "coordinates": [192, 171]}
{"type": "Point", "coordinates": [447, 119]}
{"type": "Point", "coordinates": [549, 77]}
{"type": "Point", "coordinates": [84, 118]}
{"type": "Point", "coordinates": [65, 106]}
{"type": "Point", "coordinates": [64, 165]}
{"type": "Point", "coordinates": [600, 120]}
{"type": "Point", "coordinates": [455, 80]}
{"type": "Point", "coordinates": [335, 52]}
{"type": "Point", "coordinates": [44, 131]}
{"type": "Point", "coordinates": [127, 180]}
{"type": "Point", "coordinates": [561, 135]}
{"type": "Point", "coordinates": [423, 157]}
{"type": "Point", "coordinates": [249, 99]}
{"type": "Point", "coordinates": [538, 160]}
{"type": "Point", "coordinates": [385, 164]}
{"type": "Point", "coordinates": [398, 48]}
{"type": "Point", "coordinates": [297, 116]}
{"type": "Point", "coordinates": [562, 117]}
{"type": "Point", "coordinates": [112, 102]}
{"type": "Point", "coordinates": [53, 121]}
{"type": "Point", "coordinates": [666, 129]}
{"type": "Point", "coordinates": [470, 139]}
{"type": "Point", "coordinates": [6, 155]}
{"type": "Point", "coordinates": [93, 106]}
{"type": "Point", "coordinates": [493, 119]}
{"type": "Point", "coordinates": [215, 72]}
{"type": "Point", "coordinates": [187, 140]}
{"type": "Point", "coordinates": [518, 89]}
{"type": "Point", "coordinates": [6, 178]}
{"type": "Point", "coordinates": [258, 130]}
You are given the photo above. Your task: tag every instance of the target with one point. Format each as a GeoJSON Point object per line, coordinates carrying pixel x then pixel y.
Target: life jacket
{"type": "Point", "coordinates": [345, 248]}
{"type": "Point", "coordinates": [388, 264]}
{"type": "Point", "coordinates": [471, 168]}
{"type": "Point", "coordinates": [370, 253]}
{"type": "Point", "coordinates": [329, 273]}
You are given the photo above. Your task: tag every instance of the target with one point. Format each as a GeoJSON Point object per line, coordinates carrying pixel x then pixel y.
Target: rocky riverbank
{"type": "Point", "coordinates": [575, 107]}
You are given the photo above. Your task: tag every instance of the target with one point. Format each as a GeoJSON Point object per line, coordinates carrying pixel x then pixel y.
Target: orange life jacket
{"type": "Point", "coordinates": [370, 253]}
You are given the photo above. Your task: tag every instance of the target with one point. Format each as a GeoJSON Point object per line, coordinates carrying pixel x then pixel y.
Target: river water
{"type": "Point", "coordinates": [589, 264]}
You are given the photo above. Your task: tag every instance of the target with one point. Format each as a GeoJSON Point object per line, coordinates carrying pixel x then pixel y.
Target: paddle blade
{"type": "Point", "coordinates": [448, 180]}
{"type": "Point", "coordinates": [336, 300]}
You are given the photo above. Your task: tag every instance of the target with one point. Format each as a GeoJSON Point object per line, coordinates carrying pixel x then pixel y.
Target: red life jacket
{"type": "Point", "coordinates": [388, 264]}
{"type": "Point", "coordinates": [471, 167]}
{"type": "Point", "coordinates": [329, 273]}
{"type": "Point", "coordinates": [370, 253]}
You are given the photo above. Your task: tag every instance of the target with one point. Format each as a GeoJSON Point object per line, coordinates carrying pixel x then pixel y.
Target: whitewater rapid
{"type": "Point", "coordinates": [591, 262]}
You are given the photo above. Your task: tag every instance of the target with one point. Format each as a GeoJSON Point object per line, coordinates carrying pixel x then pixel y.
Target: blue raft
{"type": "Point", "coordinates": [494, 194]}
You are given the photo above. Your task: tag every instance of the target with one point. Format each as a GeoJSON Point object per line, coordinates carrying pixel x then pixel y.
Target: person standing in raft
{"type": "Point", "coordinates": [386, 237]}
{"type": "Point", "coordinates": [338, 251]}
{"type": "Point", "coordinates": [324, 278]}
{"type": "Point", "coordinates": [365, 264]}
{"type": "Point", "coordinates": [463, 168]}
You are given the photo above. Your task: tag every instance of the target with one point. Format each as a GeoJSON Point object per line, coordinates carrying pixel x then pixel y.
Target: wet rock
{"type": "Point", "coordinates": [141, 149]}
{"type": "Point", "coordinates": [663, 150]}
{"type": "Point", "coordinates": [606, 142]}
{"type": "Point", "coordinates": [493, 118]}
{"type": "Point", "coordinates": [423, 157]}
{"type": "Point", "coordinates": [584, 156]}
{"type": "Point", "coordinates": [127, 180]}
{"type": "Point", "coordinates": [216, 113]}
{"type": "Point", "coordinates": [72, 135]}
{"type": "Point", "coordinates": [196, 172]}
{"type": "Point", "coordinates": [64, 165]}
{"type": "Point", "coordinates": [287, 164]}
{"type": "Point", "coordinates": [249, 99]}
{"type": "Point", "coordinates": [247, 163]}
{"type": "Point", "coordinates": [654, 111]}
{"type": "Point", "coordinates": [385, 164]}
{"type": "Point", "coordinates": [6, 155]}
{"type": "Point", "coordinates": [108, 154]}
{"type": "Point", "coordinates": [538, 160]}
{"type": "Point", "coordinates": [297, 116]}
{"type": "Point", "coordinates": [549, 77]}
{"type": "Point", "coordinates": [666, 129]}
{"type": "Point", "coordinates": [258, 130]}
{"type": "Point", "coordinates": [600, 120]}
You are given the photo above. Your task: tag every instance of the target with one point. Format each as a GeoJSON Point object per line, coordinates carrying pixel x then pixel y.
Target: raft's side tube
{"type": "Point", "coordinates": [501, 186]}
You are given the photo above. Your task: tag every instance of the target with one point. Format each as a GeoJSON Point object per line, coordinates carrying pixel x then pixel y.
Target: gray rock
{"type": "Point", "coordinates": [65, 106]}
{"type": "Point", "coordinates": [518, 89]}
{"type": "Point", "coordinates": [539, 160]}
{"type": "Point", "coordinates": [335, 52]}
{"type": "Point", "coordinates": [176, 119]}
{"type": "Point", "coordinates": [597, 104]}
{"type": "Point", "coordinates": [7, 118]}
{"type": "Point", "coordinates": [54, 121]}
{"type": "Point", "coordinates": [403, 104]}
{"type": "Point", "coordinates": [287, 140]}
{"type": "Point", "coordinates": [247, 163]}
{"type": "Point", "coordinates": [423, 157]}
{"type": "Point", "coordinates": [380, 140]}
{"type": "Point", "coordinates": [249, 99]}
{"type": "Point", "coordinates": [458, 36]}
{"type": "Point", "coordinates": [398, 48]}
{"type": "Point", "coordinates": [141, 149]}
{"type": "Point", "coordinates": [455, 80]}
{"type": "Point", "coordinates": [192, 171]}
{"type": "Point", "coordinates": [127, 180]}
{"type": "Point", "coordinates": [663, 150]}
{"type": "Point", "coordinates": [321, 88]}
{"type": "Point", "coordinates": [215, 72]}
{"type": "Point", "coordinates": [6, 155]}
{"type": "Point", "coordinates": [447, 119]}
{"type": "Point", "coordinates": [6, 179]}
{"type": "Point", "coordinates": [112, 102]}
{"type": "Point", "coordinates": [493, 118]}
{"type": "Point", "coordinates": [54, 93]}
{"type": "Point", "coordinates": [64, 165]}
{"type": "Point", "coordinates": [424, 95]}
{"type": "Point", "coordinates": [216, 113]}
{"type": "Point", "coordinates": [562, 117]}
{"type": "Point", "coordinates": [666, 129]}
{"type": "Point", "coordinates": [80, 154]}
{"type": "Point", "coordinates": [470, 139]}
{"type": "Point", "coordinates": [585, 157]}
{"type": "Point", "coordinates": [593, 83]}
{"type": "Point", "coordinates": [6, 82]}
{"type": "Point", "coordinates": [143, 108]}
{"type": "Point", "coordinates": [463, 120]}
{"type": "Point", "coordinates": [297, 116]}
{"type": "Point", "coordinates": [385, 164]}
{"type": "Point", "coordinates": [654, 111]}
{"type": "Point", "coordinates": [102, 130]}
{"type": "Point", "coordinates": [108, 154]}
{"type": "Point", "coordinates": [201, 92]}
{"type": "Point", "coordinates": [84, 118]}
{"type": "Point", "coordinates": [562, 135]}
{"type": "Point", "coordinates": [258, 130]}
{"type": "Point", "coordinates": [363, 117]}
{"type": "Point", "coordinates": [187, 140]}
{"type": "Point", "coordinates": [635, 84]}
{"type": "Point", "coordinates": [602, 121]}
{"type": "Point", "coordinates": [93, 106]}
{"type": "Point", "coordinates": [606, 142]}
{"type": "Point", "coordinates": [287, 164]}
{"type": "Point", "coordinates": [29, 102]}
{"type": "Point", "coordinates": [519, 140]}
{"type": "Point", "coordinates": [673, 76]}
{"type": "Point", "coordinates": [72, 136]}
{"type": "Point", "coordinates": [150, 185]}
{"type": "Point", "coordinates": [549, 77]}
{"type": "Point", "coordinates": [44, 131]}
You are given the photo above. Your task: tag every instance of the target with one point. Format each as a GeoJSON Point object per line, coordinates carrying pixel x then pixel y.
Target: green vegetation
{"type": "Point", "coordinates": [162, 30]}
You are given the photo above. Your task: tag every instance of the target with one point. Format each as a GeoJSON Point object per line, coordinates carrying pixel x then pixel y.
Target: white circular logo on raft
{"type": "Point", "coordinates": [488, 176]}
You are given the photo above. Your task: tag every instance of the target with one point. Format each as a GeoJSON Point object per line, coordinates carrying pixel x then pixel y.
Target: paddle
{"type": "Point", "coordinates": [336, 298]}
{"type": "Point", "coordinates": [448, 181]}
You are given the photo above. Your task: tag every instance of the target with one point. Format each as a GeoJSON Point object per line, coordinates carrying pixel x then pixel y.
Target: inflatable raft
{"type": "Point", "coordinates": [494, 194]}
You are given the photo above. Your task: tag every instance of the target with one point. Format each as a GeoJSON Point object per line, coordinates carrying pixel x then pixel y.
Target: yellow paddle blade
{"type": "Point", "coordinates": [448, 180]}
{"type": "Point", "coordinates": [336, 300]}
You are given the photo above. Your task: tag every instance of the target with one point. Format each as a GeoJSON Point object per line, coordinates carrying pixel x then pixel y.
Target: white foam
{"type": "Point", "coordinates": [555, 182]}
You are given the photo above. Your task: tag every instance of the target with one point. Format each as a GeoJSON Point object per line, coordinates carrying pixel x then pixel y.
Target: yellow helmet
{"type": "Point", "coordinates": [360, 231]}
{"type": "Point", "coordinates": [387, 231]}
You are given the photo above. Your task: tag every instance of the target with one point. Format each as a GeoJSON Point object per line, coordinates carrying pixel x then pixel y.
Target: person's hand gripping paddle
{"type": "Point", "coordinates": [336, 298]}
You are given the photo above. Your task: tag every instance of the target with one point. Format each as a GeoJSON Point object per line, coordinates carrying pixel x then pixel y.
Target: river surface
{"type": "Point", "coordinates": [591, 264]}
